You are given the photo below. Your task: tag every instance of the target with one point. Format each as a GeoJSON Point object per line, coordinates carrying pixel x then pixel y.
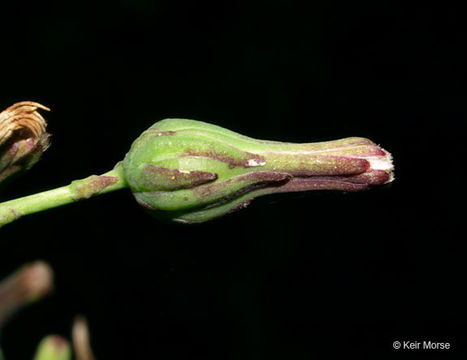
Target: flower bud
{"type": "Point", "coordinates": [22, 138]}
{"type": "Point", "coordinates": [190, 171]}
{"type": "Point", "coordinates": [53, 347]}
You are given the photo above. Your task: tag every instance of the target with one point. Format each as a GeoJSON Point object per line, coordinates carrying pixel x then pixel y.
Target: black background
{"type": "Point", "coordinates": [299, 276]}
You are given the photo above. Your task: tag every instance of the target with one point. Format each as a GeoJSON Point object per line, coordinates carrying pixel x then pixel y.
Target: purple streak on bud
{"type": "Point", "coordinates": [173, 179]}
{"type": "Point", "coordinates": [245, 160]}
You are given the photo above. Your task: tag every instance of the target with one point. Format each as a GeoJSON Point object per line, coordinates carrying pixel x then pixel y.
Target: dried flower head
{"type": "Point", "coordinates": [23, 138]}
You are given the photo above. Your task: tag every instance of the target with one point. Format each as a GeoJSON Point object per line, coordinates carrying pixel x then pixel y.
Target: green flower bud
{"type": "Point", "coordinates": [190, 171]}
{"type": "Point", "coordinates": [22, 138]}
{"type": "Point", "coordinates": [53, 347]}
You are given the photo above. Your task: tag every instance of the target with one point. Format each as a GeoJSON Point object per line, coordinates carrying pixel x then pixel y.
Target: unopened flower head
{"type": "Point", "coordinates": [191, 171]}
{"type": "Point", "coordinates": [23, 138]}
{"type": "Point", "coordinates": [53, 347]}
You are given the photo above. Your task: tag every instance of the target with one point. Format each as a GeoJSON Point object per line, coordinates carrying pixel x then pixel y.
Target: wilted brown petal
{"type": "Point", "coordinates": [80, 339]}
{"type": "Point", "coordinates": [30, 283]}
{"type": "Point", "coordinates": [23, 138]}
{"type": "Point", "coordinates": [23, 119]}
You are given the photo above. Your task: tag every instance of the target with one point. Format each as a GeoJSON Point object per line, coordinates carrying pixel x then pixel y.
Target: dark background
{"type": "Point", "coordinates": [291, 277]}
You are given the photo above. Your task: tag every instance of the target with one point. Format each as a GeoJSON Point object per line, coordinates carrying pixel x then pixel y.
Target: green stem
{"type": "Point", "coordinates": [76, 191]}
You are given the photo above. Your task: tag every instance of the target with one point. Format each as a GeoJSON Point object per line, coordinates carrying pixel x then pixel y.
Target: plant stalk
{"type": "Point", "coordinates": [75, 191]}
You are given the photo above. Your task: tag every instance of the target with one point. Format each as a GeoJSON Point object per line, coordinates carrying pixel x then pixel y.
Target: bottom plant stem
{"type": "Point", "coordinates": [76, 191]}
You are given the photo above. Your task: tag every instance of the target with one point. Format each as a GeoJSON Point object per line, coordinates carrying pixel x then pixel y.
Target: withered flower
{"type": "Point", "coordinates": [23, 138]}
{"type": "Point", "coordinates": [80, 339]}
{"type": "Point", "coordinates": [28, 284]}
